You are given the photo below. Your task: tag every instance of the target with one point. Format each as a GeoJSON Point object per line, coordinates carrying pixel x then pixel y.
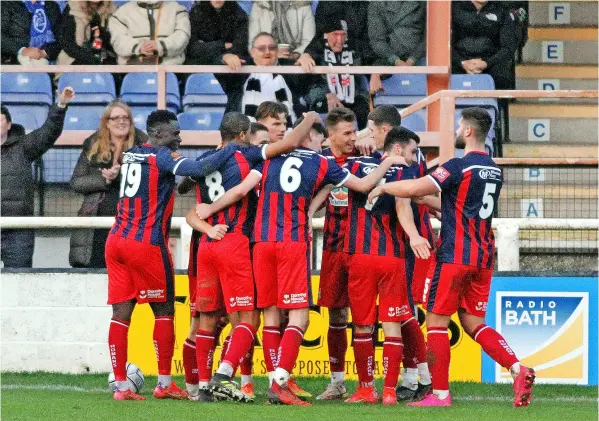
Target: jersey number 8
{"type": "Point", "coordinates": [214, 182]}
{"type": "Point", "coordinates": [290, 177]}
{"type": "Point", "coordinates": [130, 179]}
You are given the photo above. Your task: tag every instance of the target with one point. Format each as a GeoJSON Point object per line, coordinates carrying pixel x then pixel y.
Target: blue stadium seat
{"type": "Point", "coordinates": [402, 90]}
{"type": "Point", "coordinates": [142, 89]}
{"type": "Point", "coordinates": [414, 122]}
{"type": "Point", "coordinates": [62, 4]}
{"type": "Point", "coordinates": [480, 82]}
{"type": "Point", "coordinates": [119, 3]}
{"type": "Point", "coordinates": [90, 88]}
{"type": "Point", "coordinates": [83, 117]}
{"type": "Point", "coordinates": [31, 117]}
{"type": "Point", "coordinates": [314, 6]}
{"type": "Point", "coordinates": [200, 121]}
{"type": "Point", "coordinates": [59, 164]}
{"type": "Point", "coordinates": [140, 115]}
{"type": "Point", "coordinates": [203, 91]}
{"type": "Point", "coordinates": [186, 3]}
{"type": "Point", "coordinates": [25, 88]}
{"type": "Point", "coordinates": [246, 5]}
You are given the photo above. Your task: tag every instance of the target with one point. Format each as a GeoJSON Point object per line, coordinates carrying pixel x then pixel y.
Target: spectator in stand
{"type": "Point", "coordinates": [150, 32]}
{"type": "Point", "coordinates": [484, 39]}
{"type": "Point", "coordinates": [330, 91]}
{"type": "Point", "coordinates": [245, 92]}
{"type": "Point", "coordinates": [29, 32]}
{"type": "Point", "coordinates": [355, 13]}
{"type": "Point", "coordinates": [18, 151]}
{"type": "Point", "coordinates": [291, 23]}
{"type": "Point", "coordinates": [84, 34]}
{"type": "Point", "coordinates": [218, 28]}
{"type": "Point", "coordinates": [96, 177]}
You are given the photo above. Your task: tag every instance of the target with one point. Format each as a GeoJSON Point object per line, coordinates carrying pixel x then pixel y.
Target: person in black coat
{"type": "Point", "coordinates": [18, 24]}
{"type": "Point", "coordinates": [485, 37]}
{"type": "Point", "coordinates": [19, 150]}
{"type": "Point", "coordinates": [217, 28]}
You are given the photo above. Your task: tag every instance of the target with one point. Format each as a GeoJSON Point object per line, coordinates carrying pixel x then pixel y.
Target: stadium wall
{"type": "Point", "coordinates": [57, 320]}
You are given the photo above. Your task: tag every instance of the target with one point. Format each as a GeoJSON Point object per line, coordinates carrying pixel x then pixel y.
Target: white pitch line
{"type": "Point", "coordinates": [459, 398]}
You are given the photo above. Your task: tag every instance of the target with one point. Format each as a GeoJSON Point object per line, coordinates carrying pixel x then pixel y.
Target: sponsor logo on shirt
{"type": "Point", "coordinates": [339, 196]}
{"type": "Point", "coordinates": [440, 174]}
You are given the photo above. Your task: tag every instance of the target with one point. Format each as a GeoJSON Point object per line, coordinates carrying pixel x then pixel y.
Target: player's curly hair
{"type": "Point", "coordinates": [271, 109]}
{"type": "Point", "coordinates": [100, 149]}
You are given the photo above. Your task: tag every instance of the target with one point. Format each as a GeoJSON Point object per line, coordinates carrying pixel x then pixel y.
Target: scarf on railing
{"type": "Point", "coordinates": [40, 31]}
{"type": "Point", "coordinates": [262, 87]}
{"type": "Point", "coordinates": [343, 86]}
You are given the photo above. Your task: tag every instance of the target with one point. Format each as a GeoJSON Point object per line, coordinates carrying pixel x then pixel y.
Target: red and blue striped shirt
{"type": "Point", "coordinates": [470, 189]}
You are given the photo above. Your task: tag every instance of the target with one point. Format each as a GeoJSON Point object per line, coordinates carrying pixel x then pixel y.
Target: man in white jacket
{"type": "Point", "coordinates": [150, 28]}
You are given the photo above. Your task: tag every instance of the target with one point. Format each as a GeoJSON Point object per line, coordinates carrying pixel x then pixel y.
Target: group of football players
{"type": "Point", "coordinates": [250, 254]}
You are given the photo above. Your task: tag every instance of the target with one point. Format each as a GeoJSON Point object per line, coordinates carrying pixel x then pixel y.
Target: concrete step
{"type": "Point", "coordinates": [556, 13]}
{"type": "Point", "coordinates": [557, 51]}
{"type": "Point", "coordinates": [557, 123]}
{"type": "Point", "coordinates": [561, 33]}
{"type": "Point", "coordinates": [552, 76]}
{"type": "Point", "coordinates": [557, 71]}
{"type": "Point", "coordinates": [551, 181]}
{"type": "Point", "coordinates": [547, 150]}
{"type": "Point", "coordinates": [550, 191]}
{"type": "Point", "coordinates": [539, 207]}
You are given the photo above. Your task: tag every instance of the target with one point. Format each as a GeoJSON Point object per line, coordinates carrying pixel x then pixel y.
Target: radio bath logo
{"type": "Point", "coordinates": [338, 196]}
{"type": "Point", "coordinates": [548, 331]}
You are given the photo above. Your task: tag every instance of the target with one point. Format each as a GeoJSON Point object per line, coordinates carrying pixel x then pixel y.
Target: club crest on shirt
{"type": "Point", "coordinates": [440, 174]}
{"type": "Point", "coordinates": [339, 196]}
{"type": "Point", "coordinates": [175, 155]}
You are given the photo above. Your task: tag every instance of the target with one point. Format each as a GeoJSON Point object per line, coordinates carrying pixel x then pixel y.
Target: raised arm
{"type": "Point", "coordinates": [419, 245]}
{"type": "Point", "coordinates": [294, 138]}
{"type": "Point", "coordinates": [319, 200]}
{"type": "Point", "coordinates": [430, 201]}
{"type": "Point", "coordinates": [216, 232]}
{"type": "Point", "coordinates": [232, 196]}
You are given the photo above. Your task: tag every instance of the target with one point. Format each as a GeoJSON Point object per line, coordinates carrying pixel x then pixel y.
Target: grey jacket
{"type": "Point", "coordinates": [18, 152]}
{"type": "Point", "coordinates": [397, 30]}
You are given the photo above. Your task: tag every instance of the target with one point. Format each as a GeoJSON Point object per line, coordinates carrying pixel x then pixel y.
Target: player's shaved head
{"type": "Point", "coordinates": [480, 120]}
{"type": "Point", "coordinates": [163, 129]}
{"type": "Point", "coordinates": [235, 126]}
{"type": "Point", "coordinates": [385, 114]}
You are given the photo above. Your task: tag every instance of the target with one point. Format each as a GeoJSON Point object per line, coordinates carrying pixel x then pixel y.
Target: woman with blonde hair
{"type": "Point", "coordinates": [96, 176]}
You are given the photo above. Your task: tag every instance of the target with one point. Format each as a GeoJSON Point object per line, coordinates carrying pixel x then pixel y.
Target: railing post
{"type": "Point", "coordinates": [447, 129]}
{"type": "Point", "coordinates": [508, 246]}
{"type": "Point", "coordinates": [161, 89]}
{"type": "Point", "coordinates": [186, 233]}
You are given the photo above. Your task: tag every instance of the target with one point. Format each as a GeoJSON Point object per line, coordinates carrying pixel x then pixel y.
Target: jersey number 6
{"type": "Point", "coordinates": [290, 177]}
{"type": "Point", "coordinates": [130, 179]}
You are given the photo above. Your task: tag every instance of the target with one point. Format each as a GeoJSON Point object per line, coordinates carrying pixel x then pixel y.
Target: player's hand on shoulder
{"type": "Point", "coordinates": [421, 247]}
{"type": "Point", "coordinates": [217, 232]}
{"type": "Point", "coordinates": [365, 145]}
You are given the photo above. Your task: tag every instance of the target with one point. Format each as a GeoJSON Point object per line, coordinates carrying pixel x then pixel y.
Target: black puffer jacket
{"type": "Point", "coordinates": [18, 152]}
{"type": "Point", "coordinates": [16, 26]}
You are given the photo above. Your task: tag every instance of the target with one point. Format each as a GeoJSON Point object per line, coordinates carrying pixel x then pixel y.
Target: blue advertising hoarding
{"type": "Point", "coordinates": [550, 323]}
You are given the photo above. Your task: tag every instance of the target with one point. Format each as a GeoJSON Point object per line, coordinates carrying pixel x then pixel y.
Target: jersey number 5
{"type": "Point", "coordinates": [130, 179]}
{"type": "Point", "coordinates": [290, 177]}
{"type": "Point", "coordinates": [488, 202]}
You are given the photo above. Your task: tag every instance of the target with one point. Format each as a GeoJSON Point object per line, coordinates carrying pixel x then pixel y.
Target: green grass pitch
{"type": "Point", "coordinates": [50, 396]}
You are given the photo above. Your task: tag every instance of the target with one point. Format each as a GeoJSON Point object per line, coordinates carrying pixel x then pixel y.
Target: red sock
{"type": "Point", "coordinates": [241, 342]}
{"type": "Point", "coordinates": [117, 345]}
{"type": "Point", "coordinates": [164, 343]}
{"type": "Point", "coordinates": [392, 351]}
{"type": "Point", "coordinates": [247, 362]}
{"type": "Point", "coordinates": [414, 346]}
{"type": "Point", "coordinates": [337, 341]}
{"type": "Point", "coordinates": [204, 354]}
{"type": "Point", "coordinates": [271, 339]}
{"type": "Point", "coordinates": [289, 348]}
{"type": "Point", "coordinates": [495, 346]}
{"type": "Point", "coordinates": [225, 347]}
{"type": "Point", "coordinates": [439, 356]}
{"type": "Point", "coordinates": [364, 355]}
{"type": "Point", "coordinates": [190, 363]}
